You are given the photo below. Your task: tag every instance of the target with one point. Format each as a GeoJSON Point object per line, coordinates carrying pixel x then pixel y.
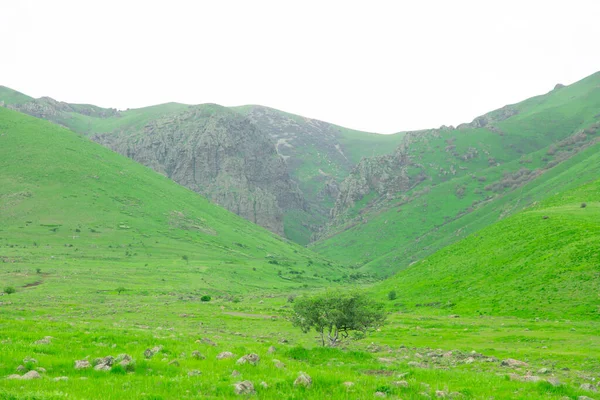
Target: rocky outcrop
{"type": "Point", "coordinates": [379, 175]}
{"type": "Point", "coordinates": [488, 120]}
{"type": "Point", "coordinates": [59, 111]}
{"type": "Point", "coordinates": [312, 150]}
{"type": "Point", "coordinates": [219, 154]}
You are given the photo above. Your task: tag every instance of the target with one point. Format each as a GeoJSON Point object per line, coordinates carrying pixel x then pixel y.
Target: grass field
{"type": "Point", "coordinates": [105, 257]}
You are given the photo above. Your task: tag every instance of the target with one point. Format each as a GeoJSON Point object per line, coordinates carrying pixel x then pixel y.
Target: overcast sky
{"type": "Point", "coordinates": [381, 66]}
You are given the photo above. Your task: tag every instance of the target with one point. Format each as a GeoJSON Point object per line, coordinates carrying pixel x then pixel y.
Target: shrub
{"type": "Point", "coordinates": [38, 270]}
{"type": "Point", "coordinates": [9, 290]}
{"type": "Point", "coordinates": [291, 298]}
{"type": "Point", "coordinates": [392, 295]}
{"type": "Point", "coordinates": [583, 205]}
{"type": "Point", "coordinates": [336, 314]}
{"type": "Point", "coordinates": [205, 298]}
{"type": "Point", "coordinates": [120, 289]}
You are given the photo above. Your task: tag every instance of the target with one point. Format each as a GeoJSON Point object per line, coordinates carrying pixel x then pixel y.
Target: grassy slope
{"type": "Point", "coordinates": [312, 161]}
{"type": "Point", "coordinates": [541, 262]}
{"type": "Point", "coordinates": [128, 120]}
{"type": "Point", "coordinates": [387, 235]}
{"type": "Point", "coordinates": [67, 201]}
{"type": "Point", "coordinates": [10, 96]}
{"type": "Point", "coordinates": [53, 179]}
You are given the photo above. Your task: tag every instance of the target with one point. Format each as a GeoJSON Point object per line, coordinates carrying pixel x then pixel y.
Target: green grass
{"type": "Point", "coordinates": [385, 232]}
{"type": "Point", "coordinates": [10, 96]}
{"type": "Point", "coordinates": [66, 201]}
{"type": "Point", "coordinates": [78, 223]}
{"type": "Point", "coordinates": [540, 262]}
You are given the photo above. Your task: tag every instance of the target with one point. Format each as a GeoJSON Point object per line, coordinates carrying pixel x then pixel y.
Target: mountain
{"type": "Point", "coordinates": [318, 155]}
{"type": "Point", "coordinates": [540, 261]}
{"type": "Point", "coordinates": [434, 189]}
{"type": "Point", "coordinates": [65, 200]}
{"type": "Point", "coordinates": [276, 169]}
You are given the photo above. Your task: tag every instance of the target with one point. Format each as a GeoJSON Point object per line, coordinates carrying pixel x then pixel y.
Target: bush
{"type": "Point", "coordinates": [291, 298]}
{"type": "Point", "coordinates": [337, 314]}
{"type": "Point", "coordinates": [205, 298]}
{"type": "Point", "coordinates": [392, 295]}
{"type": "Point", "coordinates": [120, 289]}
{"type": "Point", "coordinates": [10, 290]}
{"type": "Point", "coordinates": [583, 205]}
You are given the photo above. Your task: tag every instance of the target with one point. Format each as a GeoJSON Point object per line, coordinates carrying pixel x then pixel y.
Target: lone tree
{"type": "Point", "coordinates": [335, 314]}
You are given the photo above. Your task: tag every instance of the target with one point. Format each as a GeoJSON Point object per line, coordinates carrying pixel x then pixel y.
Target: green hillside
{"type": "Point", "coordinates": [108, 258]}
{"type": "Point", "coordinates": [9, 96]}
{"type": "Point", "coordinates": [68, 202]}
{"type": "Point", "coordinates": [456, 181]}
{"type": "Point", "coordinates": [542, 262]}
{"type": "Point", "coordinates": [319, 155]}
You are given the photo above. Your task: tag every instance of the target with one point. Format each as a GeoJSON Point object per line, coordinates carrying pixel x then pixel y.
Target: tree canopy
{"type": "Point", "coordinates": [334, 314]}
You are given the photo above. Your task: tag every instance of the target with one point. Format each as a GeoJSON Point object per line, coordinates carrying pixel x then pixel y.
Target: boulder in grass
{"type": "Point", "coordinates": [244, 387]}
{"type": "Point", "coordinates": [31, 375]}
{"type": "Point", "coordinates": [82, 364]}
{"type": "Point", "coordinates": [249, 359]}
{"type": "Point", "coordinates": [303, 380]}
{"type": "Point", "coordinates": [224, 355]}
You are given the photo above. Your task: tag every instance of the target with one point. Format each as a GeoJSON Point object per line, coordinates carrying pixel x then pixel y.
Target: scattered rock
{"type": "Point", "coordinates": [511, 362]}
{"type": "Point", "coordinates": [102, 367]}
{"type": "Point", "coordinates": [41, 370]}
{"type": "Point", "coordinates": [208, 342]}
{"type": "Point", "coordinates": [278, 364]}
{"type": "Point", "coordinates": [29, 360]}
{"type": "Point", "coordinates": [272, 350]}
{"type": "Point", "coordinates": [157, 349]}
{"type": "Point", "coordinates": [303, 380]}
{"type": "Point", "coordinates": [440, 394]}
{"type": "Point", "coordinates": [249, 359]}
{"type": "Point", "coordinates": [235, 373]}
{"type": "Point", "coordinates": [13, 376]}
{"type": "Point", "coordinates": [588, 387]}
{"type": "Point", "coordinates": [31, 375]}
{"type": "Point", "coordinates": [283, 341]}
{"type": "Point", "coordinates": [543, 371]}
{"type": "Point", "coordinates": [380, 394]}
{"type": "Point", "coordinates": [108, 360]}
{"type": "Point", "coordinates": [244, 387]}
{"type": "Point", "coordinates": [264, 384]}
{"type": "Point", "coordinates": [403, 384]}
{"type": "Point", "coordinates": [454, 316]}
{"type": "Point", "coordinates": [194, 372]}
{"type": "Point", "coordinates": [553, 381]}
{"type": "Point", "coordinates": [45, 340]}
{"type": "Point", "coordinates": [197, 355]}
{"type": "Point", "coordinates": [82, 364]}
{"type": "Point", "coordinates": [61, 378]}
{"type": "Point", "coordinates": [348, 384]}
{"type": "Point", "coordinates": [469, 360]}
{"type": "Point", "coordinates": [174, 363]}
{"type": "Point", "coordinates": [584, 398]}
{"type": "Point", "coordinates": [224, 355]}
{"type": "Point", "coordinates": [148, 353]}
{"type": "Point", "coordinates": [21, 368]}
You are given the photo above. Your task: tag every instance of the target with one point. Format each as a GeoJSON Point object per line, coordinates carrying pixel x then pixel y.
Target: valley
{"type": "Point", "coordinates": [176, 239]}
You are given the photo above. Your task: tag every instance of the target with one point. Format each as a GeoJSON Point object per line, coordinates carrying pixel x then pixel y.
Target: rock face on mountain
{"type": "Point", "coordinates": [276, 169]}
{"type": "Point", "coordinates": [305, 144]}
{"type": "Point", "coordinates": [57, 111]}
{"type": "Point", "coordinates": [219, 154]}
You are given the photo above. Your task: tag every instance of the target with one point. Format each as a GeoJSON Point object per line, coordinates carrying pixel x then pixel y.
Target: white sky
{"type": "Point", "coordinates": [380, 66]}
